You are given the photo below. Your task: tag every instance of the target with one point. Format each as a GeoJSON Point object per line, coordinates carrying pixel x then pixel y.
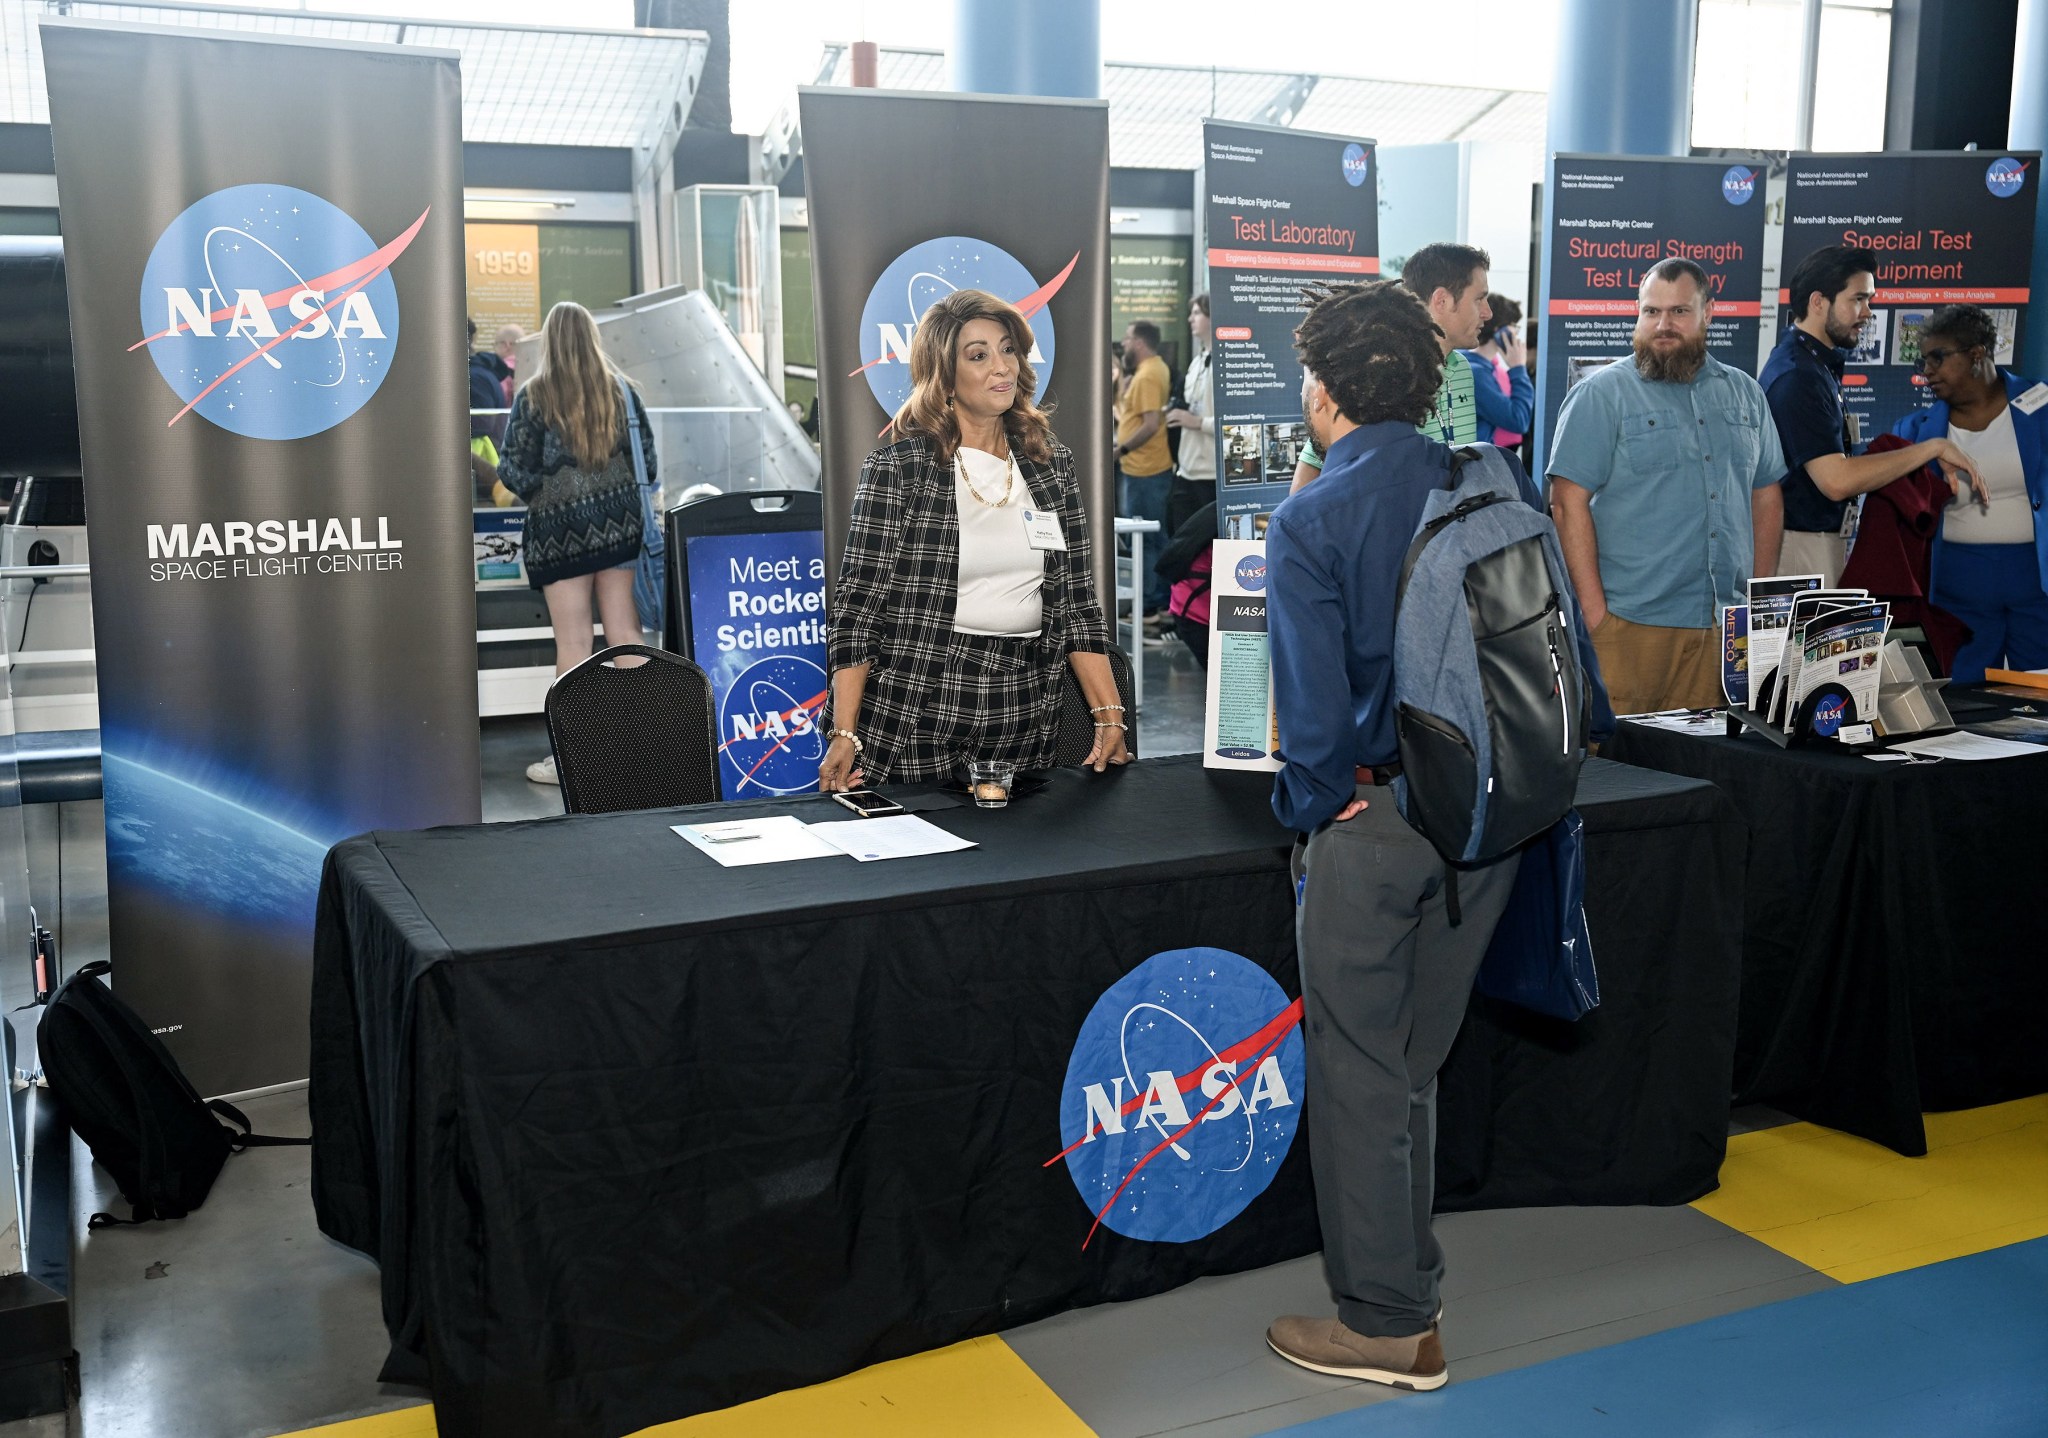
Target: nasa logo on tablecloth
{"type": "Point", "coordinates": [271, 312]}
{"type": "Point", "coordinates": [768, 730]}
{"type": "Point", "coordinates": [1183, 1095]}
{"type": "Point", "coordinates": [1357, 164]}
{"type": "Point", "coordinates": [2005, 177]}
{"type": "Point", "coordinates": [1738, 184]}
{"type": "Point", "coordinates": [926, 273]}
{"type": "Point", "coordinates": [1251, 573]}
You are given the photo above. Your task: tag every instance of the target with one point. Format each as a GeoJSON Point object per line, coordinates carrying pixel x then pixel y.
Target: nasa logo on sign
{"type": "Point", "coordinates": [1356, 165]}
{"type": "Point", "coordinates": [1738, 184]}
{"type": "Point", "coordinates": [1183, 1095]}
{"type": "Point", "coordinates": [1829, 713]}
{"type": "Point", "coordinates": [2005, 177]}
{"type": "Point", "coordinates": [768, 727]}
{"type": "Point", "coordinates": [1251, 573]}
{"type": "Point", "coordinates": [926, 273]}
{"type": "Point", "coordinates": [270, 312]}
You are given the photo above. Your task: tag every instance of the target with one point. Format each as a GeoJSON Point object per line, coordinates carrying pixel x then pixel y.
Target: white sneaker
{"type": "Point", "coordinates": [543, 772]}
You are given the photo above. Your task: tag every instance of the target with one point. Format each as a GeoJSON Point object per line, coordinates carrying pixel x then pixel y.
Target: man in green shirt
{"type": "Point", "coordinates": [1451, 281]}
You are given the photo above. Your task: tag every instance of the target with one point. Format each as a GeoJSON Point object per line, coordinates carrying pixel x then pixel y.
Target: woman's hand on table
{"type": "Point", "coordinates": [840, 771]}
{"type": "Point", "coordinates": [1109, 749]}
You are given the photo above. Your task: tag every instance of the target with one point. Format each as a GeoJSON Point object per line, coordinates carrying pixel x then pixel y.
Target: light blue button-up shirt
{"type": "Point", "coordinates": [1670, 468]}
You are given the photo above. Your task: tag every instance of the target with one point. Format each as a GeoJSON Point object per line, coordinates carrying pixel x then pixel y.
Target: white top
{"type": "Point", "coordinates": [1000, 573]}
{"type": "Point", "coordinates": [2010, 519]}
{"type": "Point", "coordinates": [1198, 446]}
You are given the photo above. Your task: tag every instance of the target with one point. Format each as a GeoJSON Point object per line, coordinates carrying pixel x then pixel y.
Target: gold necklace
{"type": "Point", "coordinates": [1009, 481]}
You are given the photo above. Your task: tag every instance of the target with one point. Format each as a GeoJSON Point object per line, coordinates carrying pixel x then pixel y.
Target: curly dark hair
{"type": "Point", "coordinates": [1374, 348]}
{"type": "Point", "coordinates": [1967, 325]}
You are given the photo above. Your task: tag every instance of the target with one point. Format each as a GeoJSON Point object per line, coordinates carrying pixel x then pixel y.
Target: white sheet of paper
{"type": "Point", "coordinates": [1885, 756]}
{"type": "Point", "coordinates": [896, 836]}
{"type": "Point", "coordinates": [774, 840]}
{"type": "Point", "coordinates": [1965, 745]}
{"type": "Point", "coordinates": [1681, 721]}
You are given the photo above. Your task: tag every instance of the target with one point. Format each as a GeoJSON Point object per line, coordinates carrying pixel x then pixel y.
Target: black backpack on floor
{"type": "Point", "coordinates": [122, 1092]}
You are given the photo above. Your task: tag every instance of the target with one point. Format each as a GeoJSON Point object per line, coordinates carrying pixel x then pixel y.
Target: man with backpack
{"type": "Point", "coordinates": [1390, 935]}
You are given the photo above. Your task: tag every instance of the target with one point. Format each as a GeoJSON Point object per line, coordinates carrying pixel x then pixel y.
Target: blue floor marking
{"type": "Point", "coordinates": [1954, 1348]}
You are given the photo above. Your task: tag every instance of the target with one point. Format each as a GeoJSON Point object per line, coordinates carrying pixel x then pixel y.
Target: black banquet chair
{"type": "Point", "coordinates": [636, 738]}
{"type": "Point", "coordinates": [1076, 735]}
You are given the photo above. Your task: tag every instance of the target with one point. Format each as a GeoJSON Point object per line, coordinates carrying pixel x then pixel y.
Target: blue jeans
{"type": "Point", "coordinates": [1143, 496]}
{"type": "Point", "coordinates": [1996, 590]}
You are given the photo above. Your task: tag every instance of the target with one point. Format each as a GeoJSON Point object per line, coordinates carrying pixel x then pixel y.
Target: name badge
{"type": "Point", "coordinates": [1852, 429]}
{"type": "Point", "coordinates": [2032, 400]}
{"type": "Point", "coordinates": [1042, 529]}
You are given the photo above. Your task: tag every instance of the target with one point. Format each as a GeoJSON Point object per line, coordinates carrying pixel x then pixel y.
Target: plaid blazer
{"type": "Point", "coordinates": [899, 582]}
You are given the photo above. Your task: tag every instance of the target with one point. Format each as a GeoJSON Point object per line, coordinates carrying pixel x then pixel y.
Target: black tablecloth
{"type": "Point", "coordinates": [633, 1136]}
{"type": "Point", "coordinates": [1892, 959]}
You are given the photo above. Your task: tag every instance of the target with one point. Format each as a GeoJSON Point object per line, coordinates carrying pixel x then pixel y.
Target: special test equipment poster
{"type": "Point", "coordinates": [267, 331]}
{"type": "Point", "coordinates": [1947, 228]}
{"type": "Point", "coordinates": [1612, 218]}
{"type": "Point", "coordinates": [1283, 209]}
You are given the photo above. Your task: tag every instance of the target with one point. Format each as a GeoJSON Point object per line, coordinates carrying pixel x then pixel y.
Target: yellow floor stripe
{"type": "Point", "coordinates": [979, 1387]}
{"type": "Point", "coordinates": [1854, 1210]}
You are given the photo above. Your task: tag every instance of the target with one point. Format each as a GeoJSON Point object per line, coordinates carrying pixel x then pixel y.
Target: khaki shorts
{"type": "Point", "coordinates": [1650, 667]}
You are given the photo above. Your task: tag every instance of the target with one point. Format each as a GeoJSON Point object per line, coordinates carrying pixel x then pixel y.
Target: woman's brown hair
{"type": "Point", "coordinates": [575, 387]}
{"type": "Point", "coordinates": [934, 365]}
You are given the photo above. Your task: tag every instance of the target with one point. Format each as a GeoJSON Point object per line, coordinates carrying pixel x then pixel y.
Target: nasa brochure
{"type": "Point", "coordinates": [1769, 612]}
{"type": "Point", "coordinates": [1735, 655]}
{"type": "Point", "coordinates": [1806, 608]}
{"type": "Point", "coordinates": [1842, 648]}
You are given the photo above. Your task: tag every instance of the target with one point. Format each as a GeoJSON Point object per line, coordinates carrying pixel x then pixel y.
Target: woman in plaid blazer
{"type": "Point", "coordinates": [922, 681]}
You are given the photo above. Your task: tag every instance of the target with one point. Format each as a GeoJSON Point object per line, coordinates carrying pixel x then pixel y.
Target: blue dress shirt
{"type": "Point", "coordinates": [1333, 564]}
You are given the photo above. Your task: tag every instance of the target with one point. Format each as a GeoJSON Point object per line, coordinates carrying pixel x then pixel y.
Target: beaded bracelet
{"type": "Point", "coordinates": [849, 736]}
{"type": "Point", "coordinates": [1105, 708]}
{"type": "Point", "coordinates": [1111, 724]}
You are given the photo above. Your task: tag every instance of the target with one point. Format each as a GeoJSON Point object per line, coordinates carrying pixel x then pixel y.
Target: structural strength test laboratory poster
{"type": "Point", "coordinates": [1283, 209]}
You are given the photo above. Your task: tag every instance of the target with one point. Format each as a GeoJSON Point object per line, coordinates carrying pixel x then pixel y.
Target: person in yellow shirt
{"type": "Point", "coordinates": [1144, 465]}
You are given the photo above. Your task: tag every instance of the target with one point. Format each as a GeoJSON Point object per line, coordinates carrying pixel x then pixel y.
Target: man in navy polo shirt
{"type": "Point", "coordinates": [1830, 293]}
{"type": "Point", "coordinates": [1385, 974]}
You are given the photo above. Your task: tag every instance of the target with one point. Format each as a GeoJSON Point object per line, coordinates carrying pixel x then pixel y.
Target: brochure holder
{"type": "Point", "coordinates": [1909, 705]}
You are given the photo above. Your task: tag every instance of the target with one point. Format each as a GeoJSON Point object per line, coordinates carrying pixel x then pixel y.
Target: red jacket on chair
{"type": "Point", "coordinates": [1894, 542]}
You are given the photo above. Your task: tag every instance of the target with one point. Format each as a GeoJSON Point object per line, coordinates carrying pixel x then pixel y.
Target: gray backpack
{"type": "Point", "coordinates": [1490, 703]}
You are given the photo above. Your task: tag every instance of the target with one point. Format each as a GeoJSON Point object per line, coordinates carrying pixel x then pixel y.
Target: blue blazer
{"type": "Point", "coordinates": [2032, 432]}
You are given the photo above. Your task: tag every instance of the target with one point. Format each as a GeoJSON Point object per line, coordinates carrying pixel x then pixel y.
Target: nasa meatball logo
{"type": "Point", "coordinates": [1357, 165]}
{"type": "Point", "coordinates": [1251, 573]}
{"type": "Point", "coordinates": [1829, 713]}
{"type": "Point", "coordinates": [926, 273]}
{"type": "Point", "coordinates": [1183, 1095]}
{"type": "Point", "coordinates": [2005, 177]}
{"type": "Point", "coordinates": [768, 728]}
{"type": "Point", "coordinates": [1738, 184]}
{"type": "Point", "coordinates": [270, 312]}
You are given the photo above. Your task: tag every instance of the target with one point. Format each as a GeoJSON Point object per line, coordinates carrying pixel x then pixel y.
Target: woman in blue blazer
{"type": "Point", "coordinates": [1990, 565]}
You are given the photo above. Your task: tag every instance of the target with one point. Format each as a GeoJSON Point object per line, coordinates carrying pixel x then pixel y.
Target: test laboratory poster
{"type": "Point", "coordinates": [914, 195]}
{"type": "Point", "coordinates": [1947, 228]}
{"type": "Point", "coordinates": [267, 325]}
{"type": "Point", "coordinates": [1612, 218]}
{"type": "Point", "coordinates": [1284, 209]}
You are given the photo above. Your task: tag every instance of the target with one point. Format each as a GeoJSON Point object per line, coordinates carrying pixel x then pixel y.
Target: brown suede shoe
{"type": "Point", "coordinates": [1325, 1345]}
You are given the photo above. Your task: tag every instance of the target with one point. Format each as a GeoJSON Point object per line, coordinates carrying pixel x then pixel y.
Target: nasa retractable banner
{"type": "Point", "coordinates": [757, 627]}
{"type": "Point", "coordinates": [1948, 228]}
{"type": "Point", "coordinates": [914, 195]}
{"type": "Point", "coordinates": [1614, 216]}
{"type": "Point", "coordinates": [266, 318]}
{"type": "Point", "coordinates": [1284, 209]}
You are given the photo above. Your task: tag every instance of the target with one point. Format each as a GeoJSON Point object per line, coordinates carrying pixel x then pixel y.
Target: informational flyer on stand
{"type": "Point", "coordinates": [1284, 209]}
{"type": "Point", "coordinates": [1238, 730]}
{"type": "Point", "coordinates": [1947, 228]}
{"type": "Point", "coordinates": [1767, 615]}
{"type": "Point", "coordinates": [1611, 219]}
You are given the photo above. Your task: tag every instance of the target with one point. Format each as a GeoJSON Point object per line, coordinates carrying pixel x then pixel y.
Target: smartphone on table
{"type": "Point", "coordinates": [868, 804]}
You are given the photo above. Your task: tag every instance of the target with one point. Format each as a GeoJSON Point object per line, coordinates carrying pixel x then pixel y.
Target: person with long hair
{"type": "Point", "coordinates": [959, 608]}
{"type": "Point", "coordinates": [1991, 554]}
{"type": "Point", "coordinates": [568, 454]}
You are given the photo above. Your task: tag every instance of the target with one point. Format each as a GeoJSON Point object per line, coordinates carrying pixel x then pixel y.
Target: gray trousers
{"type": "Point", "coordinates": [1385, 979]}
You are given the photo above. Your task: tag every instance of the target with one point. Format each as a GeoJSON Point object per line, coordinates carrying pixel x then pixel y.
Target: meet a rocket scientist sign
{"type": "Point", "coordinates": [1948, 228]}
{"type": "Point", "coordinates": [757, 627]}
{"type": "Point", "coordinates": [1612, 219]}
{"type": "Point", "coordinates": [267, 331]}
